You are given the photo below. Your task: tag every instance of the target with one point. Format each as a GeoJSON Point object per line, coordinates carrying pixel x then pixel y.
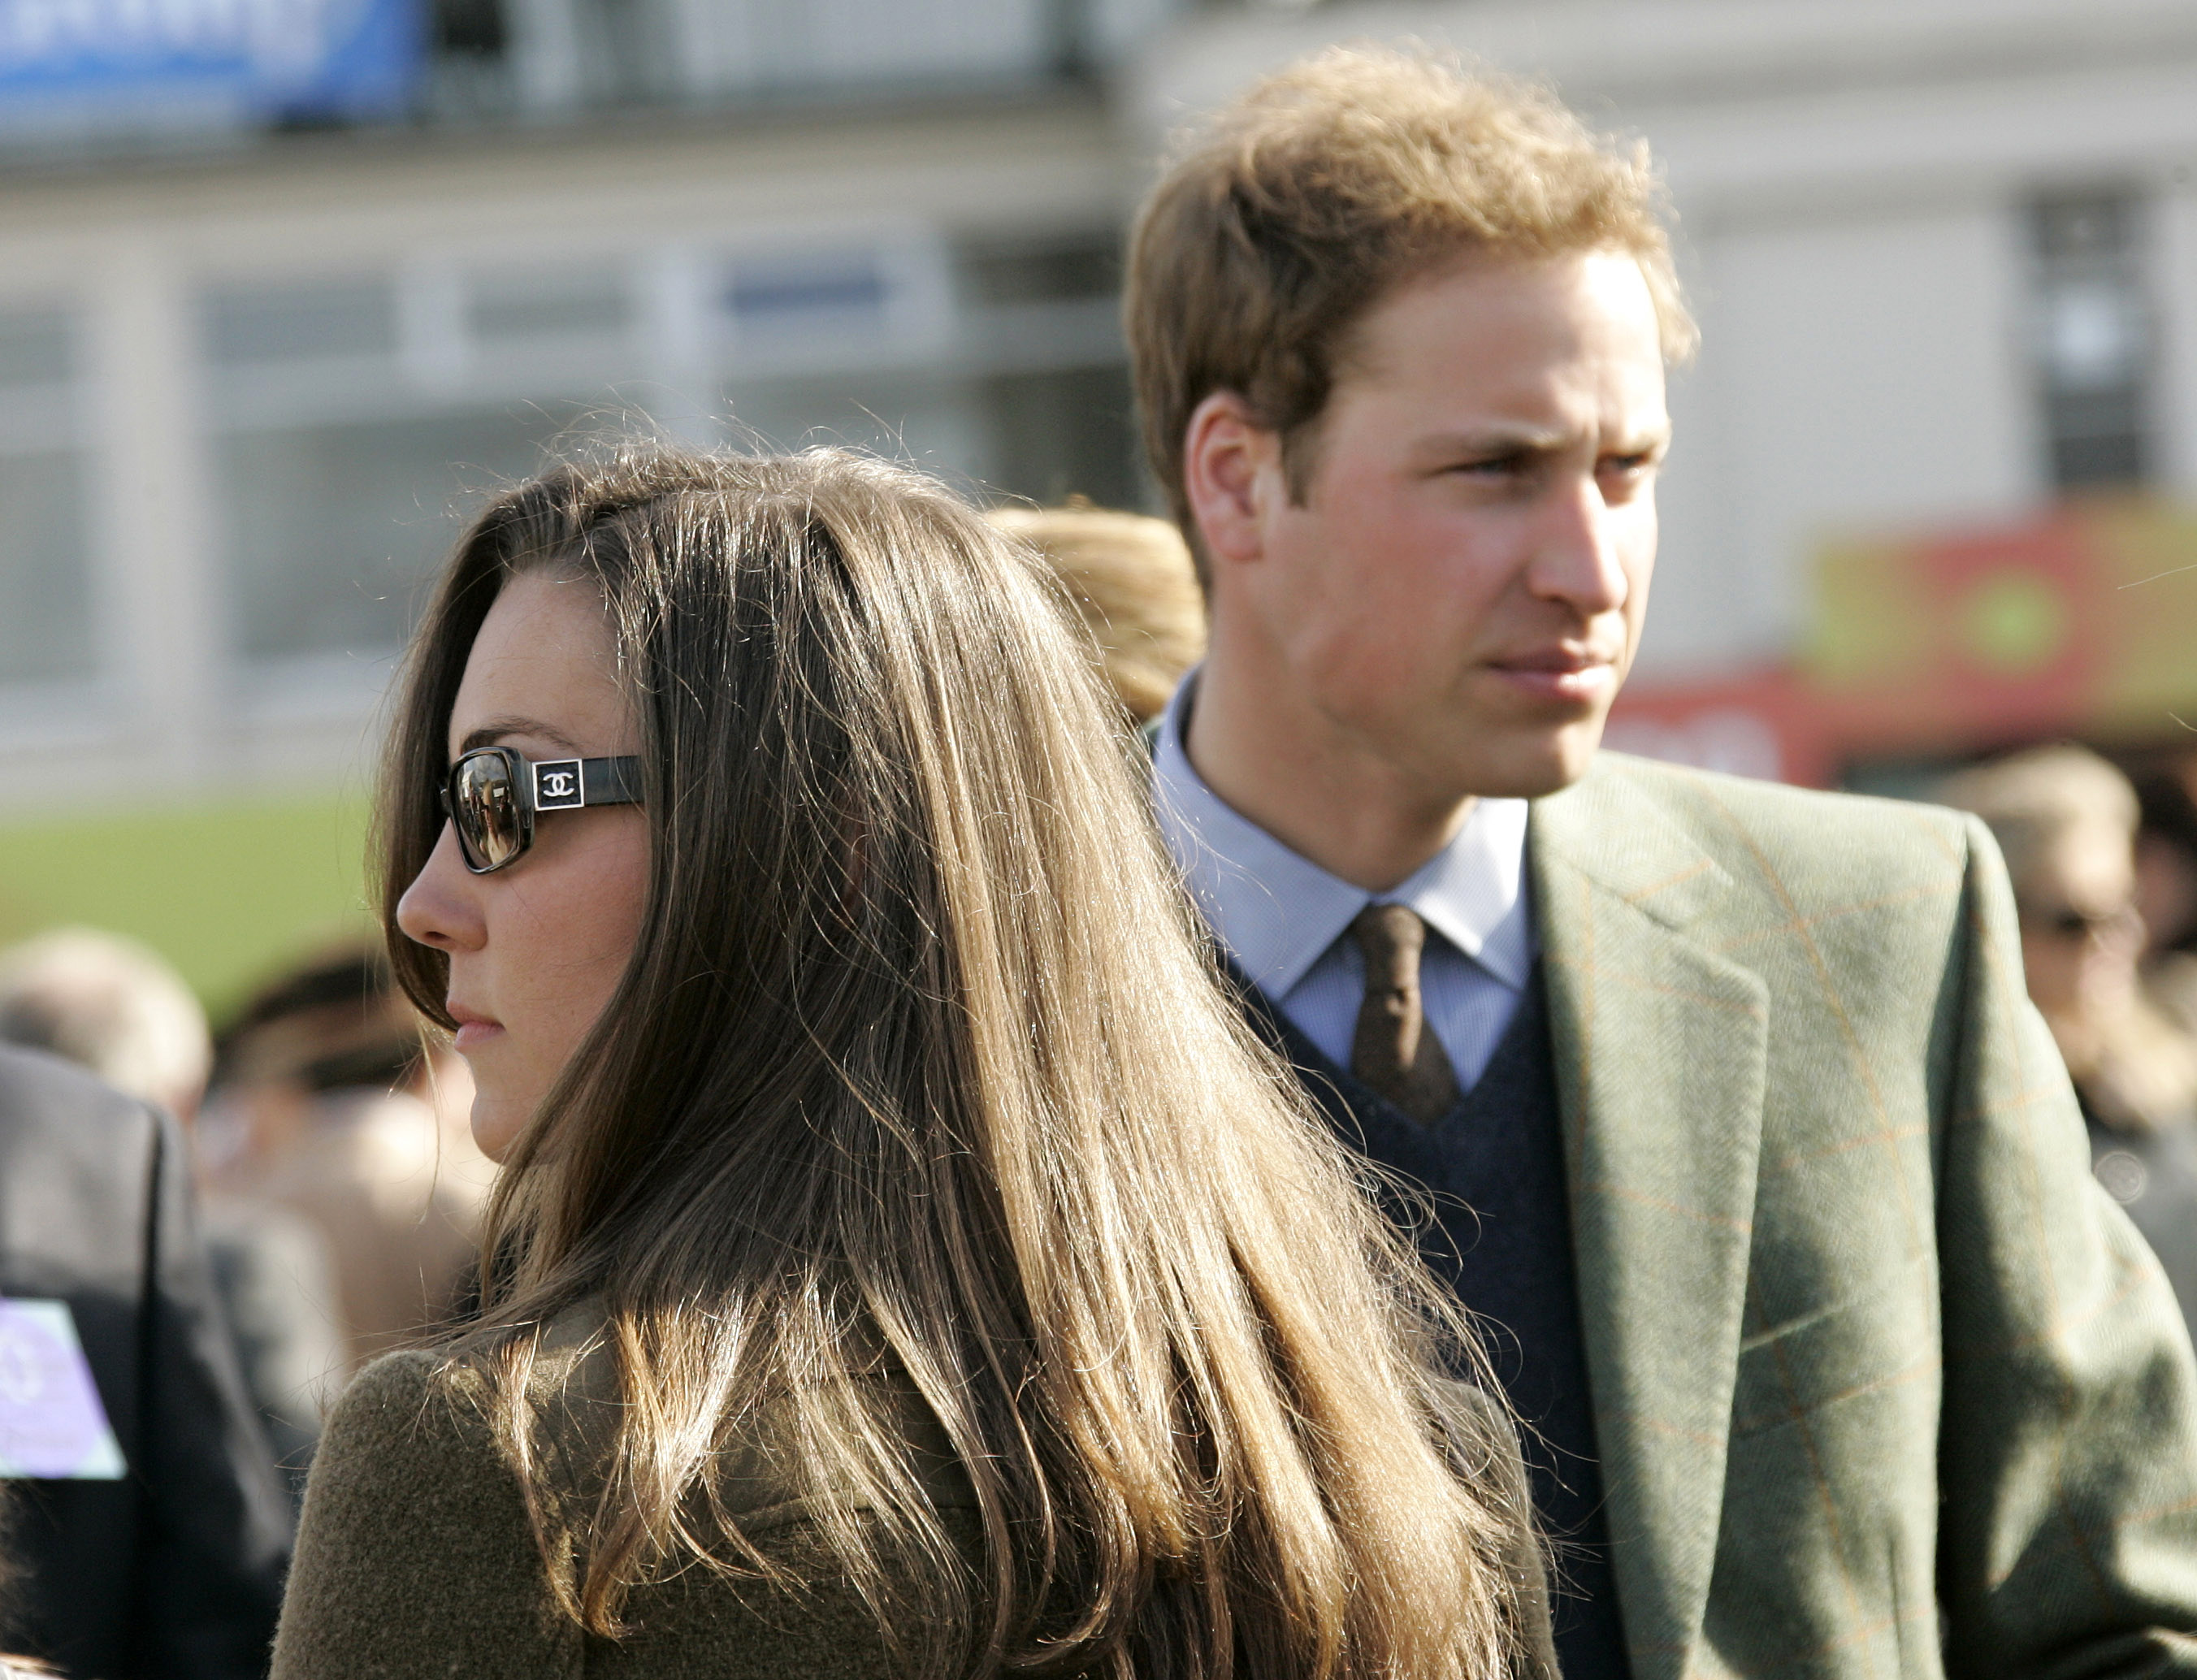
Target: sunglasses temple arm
{"type": "Point", "coordinates": [611, 781]}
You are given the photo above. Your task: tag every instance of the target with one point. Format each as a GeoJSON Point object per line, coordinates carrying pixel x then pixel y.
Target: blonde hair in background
{"type": "Point", "coordinates": [1132, 579]}
{"type": "Point", "coordinates": [2034, 799]}
{"type": "Point", "coordinates": [1278, 223]}
{"type": "Point", "coordinates": [918, 1052]}
{"type": "Point", "coordinates": [112, 1005]}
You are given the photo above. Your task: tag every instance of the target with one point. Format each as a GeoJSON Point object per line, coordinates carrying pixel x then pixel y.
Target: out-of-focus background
{"type": "Point", "coordinates": [281, 281]}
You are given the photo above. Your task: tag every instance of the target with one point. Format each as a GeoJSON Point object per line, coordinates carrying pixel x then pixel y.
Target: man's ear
{"type": "Point", "coordinates": [1231, 469]}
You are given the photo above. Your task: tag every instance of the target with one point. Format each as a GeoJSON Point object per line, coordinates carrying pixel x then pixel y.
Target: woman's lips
{"type": "Point", "coordinates": [473, 1030]}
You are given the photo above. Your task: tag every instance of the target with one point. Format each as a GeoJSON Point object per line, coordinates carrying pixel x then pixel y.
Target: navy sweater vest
{"type": "Point", "coordinates": [1503, 1240]}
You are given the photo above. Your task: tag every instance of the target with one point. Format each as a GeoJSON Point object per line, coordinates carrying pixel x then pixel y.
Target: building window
{"type": "Point", "coordinates": [46, 595]}
{"type": "Point", "coordinates": [1045, 320]}
{"type": "Point", "coordinates": [336, 527]}
{"type": "Point", "coordinates": [356, 419]}
{"type": "Point", "coordinates": [2093, 338]}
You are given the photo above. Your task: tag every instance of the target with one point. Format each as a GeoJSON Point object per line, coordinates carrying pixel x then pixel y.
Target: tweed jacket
{"type": "Point", "coordinates": [1883, 1384]}
{"type": "Point", "coordinates": [416, 1557]}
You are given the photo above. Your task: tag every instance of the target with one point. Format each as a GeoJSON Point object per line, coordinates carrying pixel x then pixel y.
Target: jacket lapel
{"type": "Point", "coordinates": [1660, 1051]}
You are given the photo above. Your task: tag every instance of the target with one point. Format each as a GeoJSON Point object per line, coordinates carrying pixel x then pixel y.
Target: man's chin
{"type": "Point", "coordinates": [1534, 767]}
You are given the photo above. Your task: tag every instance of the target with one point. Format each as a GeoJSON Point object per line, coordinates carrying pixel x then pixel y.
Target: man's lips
{"type": "Point", "coordinates": [473, 1030]}
{"type": "Point", "coordinates": [1559, 673]}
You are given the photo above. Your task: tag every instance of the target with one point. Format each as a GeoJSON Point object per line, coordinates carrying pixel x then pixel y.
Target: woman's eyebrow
{"type": "Point", "coordinates": [490, 733]}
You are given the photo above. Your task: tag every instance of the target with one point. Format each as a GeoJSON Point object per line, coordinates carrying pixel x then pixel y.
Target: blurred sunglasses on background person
{"type": "Point", "coordinates": [493, 796]}
{"type": "Point", "coordinates": [2072, 922]}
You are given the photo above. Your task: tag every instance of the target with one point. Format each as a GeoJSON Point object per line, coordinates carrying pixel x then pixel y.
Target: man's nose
{"type": "Point", "coordinates": [442, 906]}
{"type": "Point", "coordinates": [1577, 556]}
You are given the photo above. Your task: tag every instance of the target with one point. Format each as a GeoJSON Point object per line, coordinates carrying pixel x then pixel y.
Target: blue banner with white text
{"type": "Point", "coordinates": [90, 65]}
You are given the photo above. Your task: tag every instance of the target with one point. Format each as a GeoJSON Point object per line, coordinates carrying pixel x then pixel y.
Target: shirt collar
{"type": "Point", "coordinates": [1277, 912]}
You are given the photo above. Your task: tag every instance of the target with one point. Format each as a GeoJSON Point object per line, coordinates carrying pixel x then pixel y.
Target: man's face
{"type": "Point", "coordinates": [1459, 593]}
{"type": "Point", "coordinates": [2081, 935]}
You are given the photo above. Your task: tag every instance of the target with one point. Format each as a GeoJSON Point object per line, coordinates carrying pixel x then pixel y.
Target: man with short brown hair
{"type": "Point", "coordinates": [1781, 1218]}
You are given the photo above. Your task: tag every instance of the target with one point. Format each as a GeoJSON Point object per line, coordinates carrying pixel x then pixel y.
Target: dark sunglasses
{"type": "Point", "coordinates": [493, 796]}
{"type": "Point", "coordinates": [2070, 924]}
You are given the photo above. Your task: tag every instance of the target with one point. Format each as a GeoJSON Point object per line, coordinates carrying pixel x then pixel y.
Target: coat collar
{"type": "Point", "coordinates": [1660, 1049]}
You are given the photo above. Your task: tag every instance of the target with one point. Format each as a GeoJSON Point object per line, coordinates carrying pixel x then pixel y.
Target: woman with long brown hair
{"type": "Point", "coordinates": [902, 1261]}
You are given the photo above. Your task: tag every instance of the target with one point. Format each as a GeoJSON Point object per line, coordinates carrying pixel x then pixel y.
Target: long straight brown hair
{"type": "Point", "coordinates": [919, 1050]}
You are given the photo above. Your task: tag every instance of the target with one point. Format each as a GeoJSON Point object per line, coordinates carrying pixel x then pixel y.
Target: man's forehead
{"type": "Point", "coordinates": [1514, 343]}
{"type": "Point", "coordinates": [1497, 311]}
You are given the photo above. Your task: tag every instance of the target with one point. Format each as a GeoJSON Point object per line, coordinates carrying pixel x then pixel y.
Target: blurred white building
{"type": "Point", "coordinates": [248, 377]}
{"type": "Point", "coordinates": [255, 351]}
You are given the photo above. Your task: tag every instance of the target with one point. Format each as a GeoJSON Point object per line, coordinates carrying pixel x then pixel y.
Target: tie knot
{"type": "Point", "coordinates": [1392, 1050]}
{"type": "Point", "coordinates": [1392, 936]}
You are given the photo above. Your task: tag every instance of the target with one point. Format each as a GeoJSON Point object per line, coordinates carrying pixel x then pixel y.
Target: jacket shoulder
{"type": "Point", "coordinates": [44, 1093]}
{"type": "Point", "coordinates": [1715, 804]}
{"type": "Point", "coordinates": [1742, 861]}
{"type": "Point", "coordinates": [87, 1177]}
{"type": "Point", "coordinates": [574, 1402]}
{"type": "Point", "coordinates": [406, 1400]}
{"type": "Point", "coordinates": [415, 1554]}
{"type": "Point", "coordinates": [1804, 845]}
{"type": "Point", "coordinates": [424, 1423]}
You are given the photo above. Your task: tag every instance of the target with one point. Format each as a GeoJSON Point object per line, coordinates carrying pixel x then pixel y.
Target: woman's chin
{"type": "Point", "coordinates": [495, 1125]}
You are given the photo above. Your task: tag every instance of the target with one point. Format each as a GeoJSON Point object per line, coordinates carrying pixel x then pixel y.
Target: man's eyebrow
{"type": "Point", "coordinates": [1498, 440]}
{"type": "Point", "coordinates": [492, 731]}
{"type": "Point", "coordinates": [1650, 439]}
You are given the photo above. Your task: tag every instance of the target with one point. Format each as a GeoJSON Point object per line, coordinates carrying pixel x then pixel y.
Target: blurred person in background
{"type": "Point", "coordinates": [904, 1262]}
{"type": "Point", "coordinates": [174, 1570]}
{"type": "Point", "coordinates": [111, 1005]}
{"type": "Point", "coordinates": [332, 1104]}
{"type": "Point", "coordinates": [1132, 579]}
{"type": "Point", "coordinates": [121, 1010]}
{"type": "Point", "coordinates": [2167, 883]}
{"type": "Point", "coordinates": [2066, 821]}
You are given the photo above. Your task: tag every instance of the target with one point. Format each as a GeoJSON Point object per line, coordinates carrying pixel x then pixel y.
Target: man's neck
{"type": "Point", "coordinates": [1321, 793]}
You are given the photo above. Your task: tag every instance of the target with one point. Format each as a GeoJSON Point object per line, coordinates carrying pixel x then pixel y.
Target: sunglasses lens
{"type": "Point", "coordinates": [485, 806]}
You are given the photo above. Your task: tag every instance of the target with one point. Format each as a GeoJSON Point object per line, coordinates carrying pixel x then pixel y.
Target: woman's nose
{"type": "Point", "coordinates": [442, 906]}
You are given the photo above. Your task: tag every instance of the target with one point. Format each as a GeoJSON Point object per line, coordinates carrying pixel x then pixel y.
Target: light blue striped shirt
{"type": "Point", "coordinates": [1282, 918]}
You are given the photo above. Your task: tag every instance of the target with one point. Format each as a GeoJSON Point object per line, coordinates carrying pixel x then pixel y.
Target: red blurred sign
{"type": "Point", "coordinates": [2082, 623]}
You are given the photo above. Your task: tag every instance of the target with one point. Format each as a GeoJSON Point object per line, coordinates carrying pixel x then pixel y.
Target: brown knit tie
{"type": "Point", "coordinates": [1394, 1050]}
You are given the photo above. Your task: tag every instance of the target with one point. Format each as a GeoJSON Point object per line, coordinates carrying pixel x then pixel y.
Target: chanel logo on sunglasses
{"type": "Point", "coordinates": [557, 785]}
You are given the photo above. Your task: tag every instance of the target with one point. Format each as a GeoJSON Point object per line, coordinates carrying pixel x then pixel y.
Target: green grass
{"type": "Point", "coordinates": [228, 891]}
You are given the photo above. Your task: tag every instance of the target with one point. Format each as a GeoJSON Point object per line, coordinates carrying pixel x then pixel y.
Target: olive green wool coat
{"type": "Point", "coordinates": [1884, 1385]}
{"type": "Point", "coordinates": [415, 1557]}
